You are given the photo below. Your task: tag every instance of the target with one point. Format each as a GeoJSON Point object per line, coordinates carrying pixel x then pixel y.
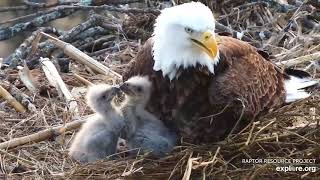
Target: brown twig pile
{"type": "Point", "coordinates": [34, 144]}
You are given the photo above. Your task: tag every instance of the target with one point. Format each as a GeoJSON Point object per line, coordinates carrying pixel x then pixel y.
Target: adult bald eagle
{"type": "Point", "coordinates": [203, 83]}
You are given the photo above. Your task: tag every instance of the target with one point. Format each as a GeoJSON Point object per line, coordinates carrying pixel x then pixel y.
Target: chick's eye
{"type": "Point", "coordinates": [139, 89]}
{"type": "Point", "coordinates": [188, 30]}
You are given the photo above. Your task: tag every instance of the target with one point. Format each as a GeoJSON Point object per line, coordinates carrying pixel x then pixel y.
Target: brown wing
{"type": "Point", "coordinates": [250, 78]}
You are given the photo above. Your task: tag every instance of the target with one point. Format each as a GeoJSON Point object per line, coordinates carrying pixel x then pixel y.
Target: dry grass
{"type": "Point", "coordinates": [290, 132]}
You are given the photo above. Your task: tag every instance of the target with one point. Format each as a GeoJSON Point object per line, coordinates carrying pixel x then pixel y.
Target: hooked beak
{"type": "Point", "coordinates": [116, 89]}
{"type": "Point", "coordinates": [207, 43]}
{"type": "Point", "coordinates": [125, 88]}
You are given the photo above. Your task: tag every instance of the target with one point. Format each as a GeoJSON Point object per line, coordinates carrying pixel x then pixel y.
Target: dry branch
{"type": "Point", "coordinates": [82, 79]}
{"type": "Point", "coordinates": [11, 100]}
{"type": "Point", "coordinates": [300, 60]}
{"type": "Point", "coordinates": [21, 97]}
{"type": "Point", "coordinates": [42, 135]}
{"type": "Point", "coordinates": [31, 5]}
{"type": "Point", "coordinates": [21, 52]}
{"type": "Point", "coordinates": [83, 58]}
{"type": "Point", "coordinates": [115, 9]}
{"type": "Point", "coordinates": [8, 32]}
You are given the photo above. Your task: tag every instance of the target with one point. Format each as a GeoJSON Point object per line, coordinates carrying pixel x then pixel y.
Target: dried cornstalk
{"type": "Point", "coordinates": [55, 80]}
{"type": "Point", "coordinates": [11, 100]}
{"type": "Point", "coordinates": [42, 135]}
{"type": "Point", "coordinates": [83, 58]}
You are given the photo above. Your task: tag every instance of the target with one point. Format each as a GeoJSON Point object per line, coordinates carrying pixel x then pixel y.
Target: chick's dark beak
{"type": "Point", "coordinates": [126, 88]}
{"type": "Point", "coordinates": [116, 89]}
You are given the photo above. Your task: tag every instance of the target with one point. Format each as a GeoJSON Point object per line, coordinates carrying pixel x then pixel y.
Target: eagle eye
{"type": "Point", "coordinates": [188, 30]}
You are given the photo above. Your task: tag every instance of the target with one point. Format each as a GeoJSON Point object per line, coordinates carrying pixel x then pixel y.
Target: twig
{"type": "Point", "coordinates": [239, 119]}
{"type": "Point", "coordinates": [302, 137]}
{"type": "Point", "coordinates": [209, 162]}
{"type": "Point", "coordinates": [83, 80]}
{"type": "Point", "coordinates": [42, 135]}
{"type": "Point", "coordinates": [17, 157]}
{"type": "Point", "coordinates": [11, 100]}
{"type": "Point", "coordinates": [260, 130]}
{"type": "Point", "coordinates": [250, 133]}
{"type": "Point", "coordinates": [187, 173]}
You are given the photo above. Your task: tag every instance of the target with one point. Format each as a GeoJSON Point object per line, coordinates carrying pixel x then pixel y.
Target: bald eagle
{"type": "Point", "coordinates": [203, 83]}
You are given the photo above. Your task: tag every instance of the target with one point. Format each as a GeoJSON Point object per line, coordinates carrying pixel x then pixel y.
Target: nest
{"type": "Point", "coordinates": [288, 136]}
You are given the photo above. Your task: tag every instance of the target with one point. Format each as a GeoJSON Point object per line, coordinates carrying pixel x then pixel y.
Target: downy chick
{"type": "Point", "coordinates": [98, 137]}
{"type": "Point", "coordinates": [143, 130]}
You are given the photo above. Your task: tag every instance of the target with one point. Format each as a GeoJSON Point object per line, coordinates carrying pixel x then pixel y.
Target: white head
{"type": "Point", "coordinates": [183, 37]}
{"type": "Point", "coordinates": [100, 98]}
{"type": "Point", "coordinates": [137, 90]}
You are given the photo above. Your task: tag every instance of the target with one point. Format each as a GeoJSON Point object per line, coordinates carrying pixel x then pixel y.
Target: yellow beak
{"type": "Point", "coordinates": [207, 43]}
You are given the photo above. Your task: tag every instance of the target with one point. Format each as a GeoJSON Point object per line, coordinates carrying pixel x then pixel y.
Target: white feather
{"type": "Point", "coordinates": [295, 88]}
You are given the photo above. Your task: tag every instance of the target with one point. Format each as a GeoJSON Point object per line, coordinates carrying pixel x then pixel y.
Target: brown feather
{"type": "Point", "coordinates": [243, 81]}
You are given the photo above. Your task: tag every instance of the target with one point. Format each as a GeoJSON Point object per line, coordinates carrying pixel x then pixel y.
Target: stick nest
{"type": "Point", "coordinates": [285, 31]}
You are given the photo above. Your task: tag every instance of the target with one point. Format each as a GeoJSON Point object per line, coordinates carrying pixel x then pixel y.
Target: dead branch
{"type": "Point", "coordinates": [115, 9]}
{"type": "Point", "coordinates": [82, 79]}
{"type": "Point", "coordinates": [113, 2]}
{"type": "Point", "coordinates": [21, 52]}
{"type": "Point", "coordinates": [83, 58]}
{"type": "Point", "coordinates": [21, 97]}
{"type": "Point", "coordinates": [94, 20]}
{"type": "Point", "coordinates": [8, 32]}
{"type": "Point", "coordinates": [11, 100]}
{"type": "Point", "coordinates": [78, 32]}
{"type": "Point", "coordinates": [300, 60]}
{"type": "Point", "coordinates": [30, 5]}
{"type": "Point", "coordinates": [42, 135]}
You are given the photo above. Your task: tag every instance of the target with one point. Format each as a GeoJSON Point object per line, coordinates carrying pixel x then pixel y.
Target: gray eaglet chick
{"type": "Point", "coordinates": [143, 130]}
{"type": "Point", "coordinates": [98, 137]}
